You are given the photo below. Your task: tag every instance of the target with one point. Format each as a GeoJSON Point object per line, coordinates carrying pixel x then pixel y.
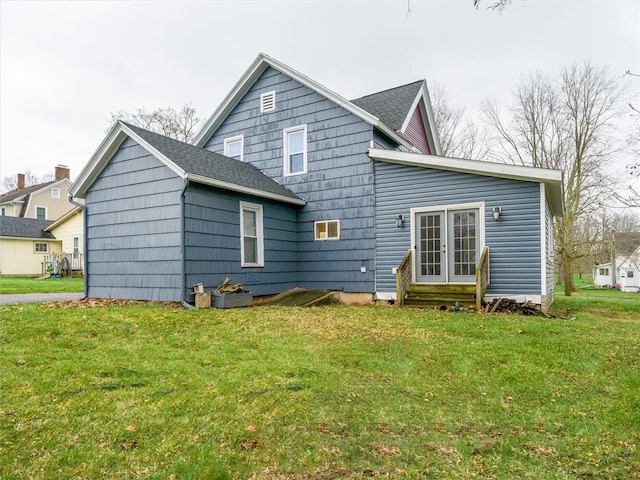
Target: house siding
{"type": "Point", "coordinates": [550, 280]}
{"type": "Point", "coordinates": [338, 184]}
{"type": "Point", "coordinates": [415, 132]}
{"type": "Point", "coordinates": [212, 242]}
{"type": "Point", "coordinates": [514, 241]}
{"type": "Point", "coordinates": [134, 229]}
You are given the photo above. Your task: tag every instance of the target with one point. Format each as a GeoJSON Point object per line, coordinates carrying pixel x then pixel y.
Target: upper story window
{"type": "Point", "coordinates": [234, 147]}
{"type": "Point", "coordinates": [268, 101]}
{"type": "Point", "coordinates": [41, 213]}
{"type": "Point", "coordinates": [251, 235]}
{"type": "Point", "coordinates": [327, 230]}
{"type": "Point", "coordinates": [55, 193]}
{"type": "Point", "coordinates": [295, 150]}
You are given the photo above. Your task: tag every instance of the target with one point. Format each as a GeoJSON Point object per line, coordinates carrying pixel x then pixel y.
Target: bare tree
{"type": "Point", "coordinates": [494, 5]}
{"type": "Point", "coordinates": [564, 124]}
{"type": "Point", "coordinates": [180, 125]}
{"type": "Point", "coordinates": [10, 183]}
{"type": "Point", "coordinates": [459, 137]}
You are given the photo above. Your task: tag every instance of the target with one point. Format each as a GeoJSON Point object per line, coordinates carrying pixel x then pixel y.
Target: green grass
{"type": "Point", "coordinates": [40, 285]}
{"type": "Point", "coordinates": [155, 391]}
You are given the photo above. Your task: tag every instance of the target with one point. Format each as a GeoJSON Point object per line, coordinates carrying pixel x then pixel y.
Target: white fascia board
{"type": "Point", "coordinates": [49, 187]}
{"type": "Point", "coordinates": [259, 65]}
{"type": "Point", "coordinates": [63, 219]}
{"type": "Point", "coordinates": [431, 120]}
{"type": "Point", "coordinates": [552, 178]}
{"type": "Point", "coordinates": [543, 240]}
{"type": "Point", "coordinates": [106, 150]}
{"type": "Point", "coordinates": [242, 189]}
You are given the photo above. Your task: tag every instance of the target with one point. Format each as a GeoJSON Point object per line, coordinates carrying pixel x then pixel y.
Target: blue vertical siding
{"type": "Point", "coordinates": [133, 229]}
{"type": "Point", "coordinates": [338, 185]}
{"type": "Point", "coordinates": [212, 242]}
{"type": "Point", "coordinates": [550, 254]}
{"type": "Point", "coordinates": [514, 241]}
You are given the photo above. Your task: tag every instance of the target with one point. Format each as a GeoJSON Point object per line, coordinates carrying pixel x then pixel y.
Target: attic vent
{"type": "Point", "coordinates": [268, 101]}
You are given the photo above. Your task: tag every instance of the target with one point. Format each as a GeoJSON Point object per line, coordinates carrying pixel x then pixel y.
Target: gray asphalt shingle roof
{"type": "Point", "coordinates": [24, 227]}
{"type": "Point", "coordinates": [198, 161]}
{"type": "Point", "coordinates": [391, 106]}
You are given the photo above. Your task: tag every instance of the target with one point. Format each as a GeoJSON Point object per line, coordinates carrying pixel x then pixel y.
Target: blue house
{"type": "Point", "coordinates": [288, 184]}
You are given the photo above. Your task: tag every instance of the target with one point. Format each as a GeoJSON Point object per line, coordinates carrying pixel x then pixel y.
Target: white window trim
{"type": "Point", "coordinates": [271, 93]}
{"type": "Point", "coordinates": [237, 138]}
{"type": "Point", "coordinates": [55, 193]}
{"type": "Point", "coordinates": [46, 213]}
{"type": "Point", "coordinates": [244, 206]}
{"type": "Point", "coordinates": [285, 138]}
{"type": "Point", "coordinates": [46, 250]}
{"type": "Point", "coordinates": [326, 222]}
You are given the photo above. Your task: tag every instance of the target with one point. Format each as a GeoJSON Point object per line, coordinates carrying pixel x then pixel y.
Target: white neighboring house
{"type": "Point", "coordinates": [627, 271]}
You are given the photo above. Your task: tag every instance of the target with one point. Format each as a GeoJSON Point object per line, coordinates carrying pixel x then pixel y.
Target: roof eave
{"type": "Point", "coordinates": [551, 178]}
{"type": "Point", "coordinates": [242, 189]}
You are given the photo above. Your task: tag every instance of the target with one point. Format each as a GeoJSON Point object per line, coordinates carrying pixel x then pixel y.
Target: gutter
{"type": "Point", "coordinates": [85, 241]}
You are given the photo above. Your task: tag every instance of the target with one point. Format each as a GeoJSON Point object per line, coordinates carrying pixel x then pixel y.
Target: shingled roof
{"type": "Point", "coordinates": [627, 243]}
{"type": "Point", "coordinates": [21, 227]}
{"type": "Point", "coordinates": [198, 161]}
{"type": "Point", "coordinates": [23, 192]}
{"type": "Point", "coordinates": [391, 106]}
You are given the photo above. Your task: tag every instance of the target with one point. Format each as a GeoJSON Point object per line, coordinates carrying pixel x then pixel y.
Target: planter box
{"type": "Point", "coordinates": [231, 300]}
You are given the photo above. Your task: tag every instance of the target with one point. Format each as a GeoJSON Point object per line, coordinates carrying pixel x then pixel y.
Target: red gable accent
{"type": "Point", "coordinates": [415, 132]}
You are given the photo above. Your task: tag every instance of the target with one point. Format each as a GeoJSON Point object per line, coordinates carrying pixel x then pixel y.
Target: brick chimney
{"type": "Point", "coordinates": [62, 171]}
{"type": "Point", "coordinates": [20, 181]}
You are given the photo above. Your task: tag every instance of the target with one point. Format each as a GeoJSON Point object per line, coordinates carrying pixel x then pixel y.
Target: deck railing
{"type": "Point", "coordinates": [69, 262]}
{"type": "Point", "coordinates": [404, 274]}
{"type": "Point", "coordinates": [482, 277]}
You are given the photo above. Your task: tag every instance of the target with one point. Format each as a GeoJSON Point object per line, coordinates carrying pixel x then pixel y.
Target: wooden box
{"type": "Point", "coordinates": [231, 300]}
{"type": "Point", "coordinates": [203, 300]}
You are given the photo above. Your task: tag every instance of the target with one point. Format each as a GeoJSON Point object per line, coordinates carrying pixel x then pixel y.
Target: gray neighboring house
{"type": "Point", "coordinates": [289, 184]}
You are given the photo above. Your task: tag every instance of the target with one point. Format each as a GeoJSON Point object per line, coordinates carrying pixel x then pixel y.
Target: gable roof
{"type": "Point", "coordinates": [63, 219]}
{"type": "Point", "coordinates": [257, 68]}
{"type": "Point", "coordinates": [189, 162]}
{"type": "Point", "coordinates": [20, 227]}
{"type": "Point", "coordinates": [23, 195]}
{"type": "Point", "coordinates": [391, 106]}
{"type": "Point", "coordinates": [551, 178]}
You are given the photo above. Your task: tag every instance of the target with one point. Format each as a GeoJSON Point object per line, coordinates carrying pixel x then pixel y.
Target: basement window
{"type": "Point", "coordinates": [268, 101]}
{"type": "Point", "coordinates": [327, 230]}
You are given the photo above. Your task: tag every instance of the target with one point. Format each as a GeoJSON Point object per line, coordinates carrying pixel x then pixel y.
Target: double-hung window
{"type": "Point", "coordinates": [41, 213]}
{"type": "Point", "coordinates": [251, 235]}
{"type": "Point", "coordinates": [55, 193]}
{"type": "Point", "coordinates": [234, 147]}
{"type": "Point", "coordinates": [295, 150]}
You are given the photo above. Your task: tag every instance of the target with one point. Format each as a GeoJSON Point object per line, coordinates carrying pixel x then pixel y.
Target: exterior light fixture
{"type": "Point", "coordinates": [399, 221]}
{"type": "Point", "coordinates": [496, 213]}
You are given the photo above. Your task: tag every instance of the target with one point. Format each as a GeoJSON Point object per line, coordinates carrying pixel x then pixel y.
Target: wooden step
{"type": "Point", "coordinates": [437, 295]}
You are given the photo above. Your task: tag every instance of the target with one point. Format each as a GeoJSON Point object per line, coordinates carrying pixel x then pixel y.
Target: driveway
{"type": "Point", "coordinates": [39, 297]}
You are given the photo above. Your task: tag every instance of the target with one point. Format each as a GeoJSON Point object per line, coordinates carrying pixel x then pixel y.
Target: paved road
{"type": "Point", "coordinates": [39, 297]}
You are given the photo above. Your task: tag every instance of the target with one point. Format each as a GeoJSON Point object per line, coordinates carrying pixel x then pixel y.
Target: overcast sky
{"type": "Point", "coordinates": [65, 66]}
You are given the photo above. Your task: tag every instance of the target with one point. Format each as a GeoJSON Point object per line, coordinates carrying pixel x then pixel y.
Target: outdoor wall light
{"type": "Point", "coordinates": [399, 221]}
{"type": "Point", "coordinates": [496, 213]}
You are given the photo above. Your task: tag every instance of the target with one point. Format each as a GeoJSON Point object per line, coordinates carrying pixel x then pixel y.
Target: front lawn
{"type": "Point", "coordinates": [156, 391]}
{"type": "Point", "coordinates": [40, 285]}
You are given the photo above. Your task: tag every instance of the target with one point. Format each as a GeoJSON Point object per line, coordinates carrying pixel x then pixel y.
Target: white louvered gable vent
{"type": "Point", "coordinates": [268, 101]}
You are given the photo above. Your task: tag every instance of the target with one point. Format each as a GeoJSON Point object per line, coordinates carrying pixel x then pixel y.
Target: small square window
{"type": "Point", "coordinates": [55, 193]}
{"type": "Point", "coordinates": [327, 230]}
{"type": "Point", "coordinates": [41, 247]}
{"type": "Point", "coordinates": [234, 147]}
{"type": "Point", "coordinates": [268, 101]}
{"type": "Point", "coordinates": [630, 274]}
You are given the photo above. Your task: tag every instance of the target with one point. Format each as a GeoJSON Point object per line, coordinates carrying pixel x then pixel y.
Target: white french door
{"type": "Point", "coordinates": [447, 244]}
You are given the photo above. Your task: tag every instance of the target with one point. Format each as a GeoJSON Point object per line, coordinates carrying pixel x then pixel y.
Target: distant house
{"type": "Point", "coordinates": [44, 201]}
{"type": "Point", "coordinates": [289, 184]}
{"type": "Point", "coordinates": [626, 274]}
{"type": "Point", "coordinates": [69, 230]}
{"type": "Point", "coordinates": [25, 246]}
